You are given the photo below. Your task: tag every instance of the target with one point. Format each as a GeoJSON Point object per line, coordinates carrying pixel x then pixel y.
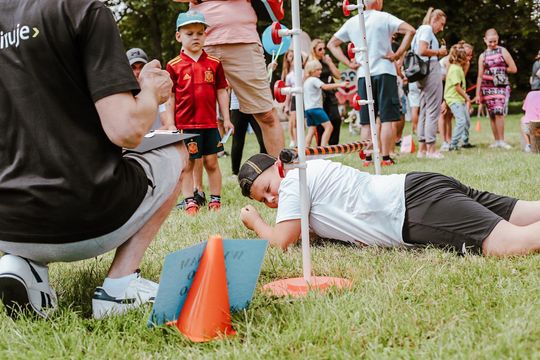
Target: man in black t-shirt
{"type": "Point", "coordinates": [70, 103]}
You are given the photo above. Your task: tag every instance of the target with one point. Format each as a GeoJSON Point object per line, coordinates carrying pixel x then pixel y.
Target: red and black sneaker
{"type": "Point", "coordinates": [191, 206]}
{"type": "Point", "coordinates": [388, 162]}
{"type": "Point", "coordinates": [214, 205]}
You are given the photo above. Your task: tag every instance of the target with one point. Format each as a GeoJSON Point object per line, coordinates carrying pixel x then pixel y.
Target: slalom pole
{"type": "Point", "coordinates": [369, 90]}
{"type": "Point", "coordinates": [301, 141]}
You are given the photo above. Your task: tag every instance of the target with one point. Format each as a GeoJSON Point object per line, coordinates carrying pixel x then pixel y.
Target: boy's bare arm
{"type": "Point", "coordinates": [335, 86]}
{"type": "Point", "coordinates": [282, 235]}
{"type": "Point", "coordinates": [223, 103]}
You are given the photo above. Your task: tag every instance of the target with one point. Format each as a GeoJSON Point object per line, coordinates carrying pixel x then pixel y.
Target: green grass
{"type": "Point", "coordinates": [403, 304]}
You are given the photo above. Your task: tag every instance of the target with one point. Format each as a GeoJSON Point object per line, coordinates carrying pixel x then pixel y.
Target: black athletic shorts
{"type": "Point", "coordinates": [443, 212]}
{"type": "Point", "coordinates": [385, 94]}
{"type": "Point", "coordinates": [207, 143]}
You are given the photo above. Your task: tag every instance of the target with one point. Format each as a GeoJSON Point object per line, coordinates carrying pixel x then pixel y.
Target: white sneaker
{"type": "Point", "coordinates": [24, 285]}
{"type": "Point", "coordinates": [138, 292]}
{"type": "Point", "coordinates": [445, 147]}
{"type": "Point", "coordinates": [494, 145]}
{"type": "Point", "coordinates": [504, 145]}
{"type": "Point", "coordinates": [292, 144]}
{"type": "Point", "coordinates": [421, 154]}
{"type": "Point", "coordinates": [528, 148]}
{"type": "Point", "coordinates": [435, 155]}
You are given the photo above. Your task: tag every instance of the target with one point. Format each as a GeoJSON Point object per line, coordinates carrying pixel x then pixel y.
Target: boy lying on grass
{"type": "Point", "coordinates": [401, 210]}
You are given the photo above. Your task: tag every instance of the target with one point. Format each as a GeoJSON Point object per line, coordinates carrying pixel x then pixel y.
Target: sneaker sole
{"type": "Point", "coordinates": [103, 308]}
{"type": "Point", "coordinates": [14, 294]}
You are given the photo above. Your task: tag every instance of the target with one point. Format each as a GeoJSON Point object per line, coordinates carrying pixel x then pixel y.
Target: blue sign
{"type": "Point", "coordinates": [243, 260]}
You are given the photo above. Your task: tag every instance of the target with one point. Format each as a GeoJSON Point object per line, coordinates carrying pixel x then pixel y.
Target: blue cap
{"type": "Point", "coordinates": [190, 17]}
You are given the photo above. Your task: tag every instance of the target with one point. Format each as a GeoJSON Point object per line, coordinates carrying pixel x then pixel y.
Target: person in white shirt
{"type": "Point", "coordinates": [313, 102]}
{"type": "Point", "coordinates": [400, 210]}
{"type": "Point", "coordinates": [380, 26]}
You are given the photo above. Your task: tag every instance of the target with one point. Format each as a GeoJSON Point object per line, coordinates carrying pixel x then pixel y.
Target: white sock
{"type": "Point", "coordinates": [116, 287]}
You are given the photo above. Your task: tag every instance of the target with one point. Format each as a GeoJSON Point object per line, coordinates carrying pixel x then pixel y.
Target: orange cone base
{"type": "Point", "coordinates": [227, 332]}
{"type": "Point", "coordinates": [299, 287]}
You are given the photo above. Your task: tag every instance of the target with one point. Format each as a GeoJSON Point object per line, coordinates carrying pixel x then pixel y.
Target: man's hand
{"type": "Point", "coordinates": [392, 56]}
{"type": "Point", "coordinates": [156, 80]}
{"type": "Point", "coordinates": [442, 51]}
{"type": "Point", "coordinates": [249, 216]}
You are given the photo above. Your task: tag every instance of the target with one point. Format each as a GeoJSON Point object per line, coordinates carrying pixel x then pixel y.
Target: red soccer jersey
{"type": "Point", "coordinates": [195, 86]}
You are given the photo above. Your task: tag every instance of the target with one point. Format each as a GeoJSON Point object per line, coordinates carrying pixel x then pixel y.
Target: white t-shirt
{"type": "Point", "coordinates": [379, 29]}
{"type": "Point", "coordinates": [347, 204]}
{"type": "Point", "coordinates": [235, 104]}
{"type": "Point", "coordinates": [425, 33]}
{"type": "Point", "coordinates": [313, 93]}
{"type": "Point", "coordinates": [290, 79]}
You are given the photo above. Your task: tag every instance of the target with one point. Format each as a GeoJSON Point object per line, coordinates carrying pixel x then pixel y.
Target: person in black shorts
{"type": "Point", "coordinates": [399, 210]}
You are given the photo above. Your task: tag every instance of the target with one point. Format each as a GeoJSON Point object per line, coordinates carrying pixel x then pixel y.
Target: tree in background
{"type": "Point", "coordinates": [149, 24]}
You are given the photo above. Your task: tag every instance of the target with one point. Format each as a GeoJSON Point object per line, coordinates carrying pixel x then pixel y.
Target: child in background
{"type": "Point", "coordinates": [198, 82]}
{"type": "Point", "coordinates": [531, 106]}
{"type": "Point", "coordinates": [455, 96]}
{"type": "Point", "coordinates": [313, 101]}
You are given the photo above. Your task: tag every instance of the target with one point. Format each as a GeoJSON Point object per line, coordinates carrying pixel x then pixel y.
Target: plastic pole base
{"type": "Point", "coordinates": [299, 287]}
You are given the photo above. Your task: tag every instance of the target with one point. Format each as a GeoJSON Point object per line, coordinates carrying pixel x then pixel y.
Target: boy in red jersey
{"type": "Point", "coordinates": [198, 81]}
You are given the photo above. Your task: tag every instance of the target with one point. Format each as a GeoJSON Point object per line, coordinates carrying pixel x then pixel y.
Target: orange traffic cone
{"type": "Point", "coordinates": [206, 314]}
{"type": "Point", "coordinates": [478, 126]}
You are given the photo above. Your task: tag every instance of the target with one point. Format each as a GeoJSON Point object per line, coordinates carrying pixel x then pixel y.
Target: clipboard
{"type": "Point", "coordinates": [159, 138]}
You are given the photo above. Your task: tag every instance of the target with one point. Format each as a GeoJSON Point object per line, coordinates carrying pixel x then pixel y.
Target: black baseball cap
{"type": "Point", "coordinates": [251, 170]}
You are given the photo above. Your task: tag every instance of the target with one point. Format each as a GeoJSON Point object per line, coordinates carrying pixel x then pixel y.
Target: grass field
{"type": "Point", "coordinates": [403, 304]}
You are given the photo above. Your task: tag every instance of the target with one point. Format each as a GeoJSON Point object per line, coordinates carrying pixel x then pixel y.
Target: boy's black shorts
{"type": "Point", "coordinates": [443, 212]}
{"type": "Point", "coordinates": [207, 143]}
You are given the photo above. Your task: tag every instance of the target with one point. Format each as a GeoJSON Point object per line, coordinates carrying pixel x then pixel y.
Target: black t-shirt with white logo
{"type": "Point", "coordinates": [61, 179]}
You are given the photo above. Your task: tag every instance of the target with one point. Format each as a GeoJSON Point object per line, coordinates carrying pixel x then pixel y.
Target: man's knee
{"type": "Point", "coordinates": [268, 118]}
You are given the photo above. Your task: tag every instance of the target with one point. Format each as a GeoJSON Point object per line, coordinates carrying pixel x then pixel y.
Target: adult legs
{"type": "Point", "coordinates": [128, 256]}
{"type": "Point", "coordinates": [335, 119]}
{"type": "Point", "coordinates": [387, 138]}
{"type": "Point", "coordinates": [258, 134]}
{"type": "Point", "coordinates": [273, 136]}
{"type": "Point", "coordinates": [239, 137]}
{"type": "Point", "coordinates": [292, 127]}
{"type": "Point", "coordinates": [414, 118]}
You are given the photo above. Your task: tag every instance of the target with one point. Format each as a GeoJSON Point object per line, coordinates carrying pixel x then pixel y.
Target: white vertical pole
{"type": "Point", "coordinates": [369, 90]}
{"type": "Point", "coordinates": [300, 140]}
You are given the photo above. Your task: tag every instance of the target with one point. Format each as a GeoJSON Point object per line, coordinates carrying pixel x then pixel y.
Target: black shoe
{"type": "Point", "coordinates": [200, 197]}
{"type": "Point", "coordinates": [468, 146]}
{"type": "Point", "coordinates": [181, 205]}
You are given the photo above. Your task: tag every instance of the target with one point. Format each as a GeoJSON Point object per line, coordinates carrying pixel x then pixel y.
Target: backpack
{"type": "Point", "coordinates": [414, 67]}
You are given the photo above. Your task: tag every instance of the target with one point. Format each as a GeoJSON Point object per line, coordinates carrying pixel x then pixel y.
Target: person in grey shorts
{"type": "Point", "coordinates": [67, 191]}
{"type": "Point", "coordinates": [426, 45]}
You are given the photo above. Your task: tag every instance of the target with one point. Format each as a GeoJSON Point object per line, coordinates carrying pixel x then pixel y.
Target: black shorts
{"type": "Point", "coordinates": [385, 94]}
{"type": "Point", "coordinates": [445, 213]}
{"type": "Point", "coordinates": [207, 143]}
{"type": "Point", "coordinates": [293, 104]}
